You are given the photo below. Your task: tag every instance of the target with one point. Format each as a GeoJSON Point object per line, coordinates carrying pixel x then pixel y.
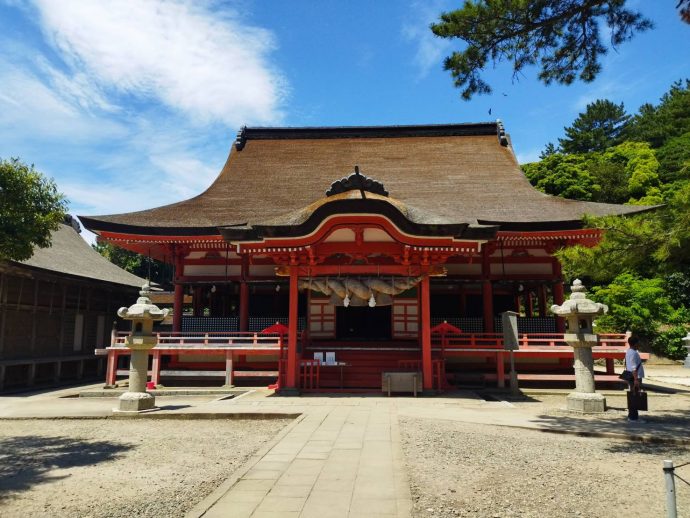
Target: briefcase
{"type": "Point", "coordinates": [637, 400]}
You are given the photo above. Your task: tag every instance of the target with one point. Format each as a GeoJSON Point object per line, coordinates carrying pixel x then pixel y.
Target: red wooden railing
{"type": "Point", "coordinates": [527, 341]}
{"type": "Point", "coordinates": [201, 340]}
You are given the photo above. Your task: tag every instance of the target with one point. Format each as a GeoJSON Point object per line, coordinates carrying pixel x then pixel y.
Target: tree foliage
{"type": "Point", "coordinates": [31, 208]}
{"type": "Point", "coordinates": [624, 173]}
{"type": "Point", "coordinates": [669, 119]}
{"type": "Point", "coordinates": [138, 264]}
{"type": "Point", "coordinates": [561, 36]}
{"type": "Point", "coordinates": [642, 263]}
{"type": "Point", "coordinates": [644, 307]}
{"type": "Point", "coordinates": [598, 128]}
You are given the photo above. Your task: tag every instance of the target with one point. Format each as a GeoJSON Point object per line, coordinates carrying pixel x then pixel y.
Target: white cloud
{"type": "Point", "coordinates": [32, 109]}
{"type": "Point", "coordinates": [206, 65]}
{"type": "Point", "coordinates": [431, 50]}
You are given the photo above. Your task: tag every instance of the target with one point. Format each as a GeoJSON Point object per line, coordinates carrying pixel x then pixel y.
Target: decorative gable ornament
{"type": "Point", "coordinates": [357, 181]}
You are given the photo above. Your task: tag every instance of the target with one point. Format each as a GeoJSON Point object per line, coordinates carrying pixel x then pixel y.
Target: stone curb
{"type": "Point", "coordinates": [161, 392]}
{"type": "Point", "coordinates": [200, 508]}
{"type": "Point", "coordinates": [256, 416]}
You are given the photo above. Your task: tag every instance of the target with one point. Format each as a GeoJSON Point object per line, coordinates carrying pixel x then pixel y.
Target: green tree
{"type": "Point", "coordinates": [31, 208]}
{"type": "Point", "coordinates": [674, 159]}
{"type": "Point", "coordinates": [641, 167]}
{"type": "Point", "coordinates": [649, 244]}
{"type": "Point", "coordinates": [669, 119]}
{"type": "Point", "coordinates": [598, 128]}
{"type": "Point", "coordinates": [644, 307]}
{"type": "Point", "coordinates": [549, 150]}
{"type": "Point", "coordinates": [138, 264]}
{"type": "Point", "coordinates": [563, 175]}
{"type": "Point", "coordinates": [562, 36]}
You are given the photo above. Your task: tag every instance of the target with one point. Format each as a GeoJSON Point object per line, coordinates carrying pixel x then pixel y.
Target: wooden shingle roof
{"type": "Point", "coordinates": [69, 254]}
{"type": "Point", "coordinates": [458, 173]}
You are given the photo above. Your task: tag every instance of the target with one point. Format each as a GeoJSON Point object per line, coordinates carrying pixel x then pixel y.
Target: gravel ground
{"type": "Point", "coordinates": [98, 467]}
{"type": "Point", "coordinates": [459, 469]}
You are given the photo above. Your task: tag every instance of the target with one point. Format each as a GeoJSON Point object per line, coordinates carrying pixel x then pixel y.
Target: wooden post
{"type": "Point", "coordinates": [557, 290]}
{"type": "Point", "coordinates": [156, 367]}
{"type": "Point", "coordinates": [427, 371]}
{"type": "Point", "coordinates": [228, 368]}
{"type": "Point", "coordinates": [291, 377]}
{"type": "Point", "coordinates": [244, 294]}
{"type": "Point", "coordinates": [196, 302]}
{"type": "Point", "coordinates": [500, 370]}
{"type": "Point", "coordinates": [487, 291]}
{"type": "Point", "coordinates": [542, 300]}
{"type": "Point", "coordinates": [609, 366]}
{"type": "Point", "coordinates": [529, 304]}
{"type": "Point", "coordinates": [558, 298]}
{"type": "Point", "coordinates": [111, 371]}
{"type": "Point", "coordinates": [178, 307]}
{"type": "Point", "coordinates": [244, 306]}
{"type": "Point", "coordinates": [488, 304]}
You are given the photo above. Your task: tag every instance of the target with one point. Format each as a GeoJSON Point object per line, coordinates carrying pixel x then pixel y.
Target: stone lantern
{"type": "Point", "coordinates": [579, 313]}
{"type": "Point", "coordinates": [687, 346]}
{"type": "Point", "coordinates": [140, 340]}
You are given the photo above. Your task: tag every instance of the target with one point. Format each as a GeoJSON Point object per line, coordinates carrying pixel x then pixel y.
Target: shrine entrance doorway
{"type": "Point", "coordinates": [363, 323]}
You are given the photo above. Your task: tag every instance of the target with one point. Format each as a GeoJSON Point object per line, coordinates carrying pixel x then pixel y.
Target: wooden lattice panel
{"type": "Point", "coordinates": [321, 318]}
{"type": "Point", "coordinates": [405, 318]}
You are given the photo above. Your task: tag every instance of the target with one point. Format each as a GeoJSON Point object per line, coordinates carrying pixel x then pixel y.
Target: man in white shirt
{"type": "Point", "coordinates": [633, 363]}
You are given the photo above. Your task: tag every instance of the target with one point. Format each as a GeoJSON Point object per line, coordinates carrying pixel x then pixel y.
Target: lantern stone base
{"type": "Point", "coordinates": [586, 402]}
{"type": "Point", "coordinates": [687, 361]}
{"type": "Point", "coordinates": [136, 402]}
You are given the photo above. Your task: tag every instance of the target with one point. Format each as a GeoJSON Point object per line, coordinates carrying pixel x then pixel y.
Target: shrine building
{"type": "Point", "coordinates": [328, 256]}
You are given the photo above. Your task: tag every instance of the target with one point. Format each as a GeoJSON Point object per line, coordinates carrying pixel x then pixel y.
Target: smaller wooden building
{"type": "Point", "coordinates": [56, 309]}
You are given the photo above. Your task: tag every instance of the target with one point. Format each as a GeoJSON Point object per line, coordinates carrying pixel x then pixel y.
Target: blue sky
{"type": "Point", "coordinates": [134, 104]}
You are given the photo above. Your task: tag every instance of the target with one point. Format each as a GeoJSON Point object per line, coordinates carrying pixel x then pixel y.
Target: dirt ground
{"type": "Point", "coordinates": [120, 468]}
{"type": "Point", "coordinates": [460, 469]}
{"type": "Point", "coordinates": [475, 470]}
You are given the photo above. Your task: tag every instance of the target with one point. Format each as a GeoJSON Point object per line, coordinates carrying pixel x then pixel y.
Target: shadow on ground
{"type": "Point", "coordinates": [660, 427]}
{"type": "Point", "coordinates": [31, 460]}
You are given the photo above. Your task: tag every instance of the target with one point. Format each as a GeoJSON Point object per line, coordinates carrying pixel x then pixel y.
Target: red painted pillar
{"type": "Point", "coordinates": [178, 306]}
{"type": "Point", "coordinates": [111, 370]}
{"type": "Point", "coordinates": [291, 377]}
{"type": "Point", "coordinates": [488, 304]}
{"type": "Point", "coordinates": [156, 368]}
{"type": "Point", "coordinates": [244, 294]}
{"type": "Point", "coordinates": [487, 291]}
{"type": "Point", "coordinates": [427, 371]}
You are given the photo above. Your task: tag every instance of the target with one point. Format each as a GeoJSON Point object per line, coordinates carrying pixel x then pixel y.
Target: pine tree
{"type": "Point", "coordinates": [598, 128]}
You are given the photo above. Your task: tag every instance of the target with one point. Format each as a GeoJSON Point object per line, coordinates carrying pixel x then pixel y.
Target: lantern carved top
{"type": "Point", "coordinates": [579, 304]}
{"type": "Point", "coordinates": [143, 309]}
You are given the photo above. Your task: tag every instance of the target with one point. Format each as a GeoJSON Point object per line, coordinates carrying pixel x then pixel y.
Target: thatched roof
{"type": "Point", "coordinates": [461, 173]}
{"type": "Point", "coordinates": [71, 255]}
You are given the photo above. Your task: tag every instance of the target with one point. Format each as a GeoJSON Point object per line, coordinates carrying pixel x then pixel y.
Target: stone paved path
{"type": "Point", "coordinates": [339, 461]}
